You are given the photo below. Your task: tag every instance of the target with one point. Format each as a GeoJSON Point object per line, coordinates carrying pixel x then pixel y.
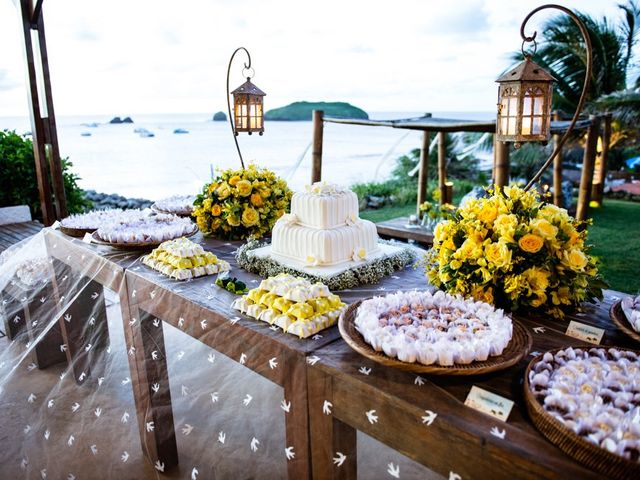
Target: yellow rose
{"type": "Point", "coordinates": [538, 279]}
{"type": "Point", "coordinates": [233, 221]}
{"type": "Point", "coordinates": [482, 295]}
{"type": "Point", "coordinates": [540, 299]}
{"type": "Point", "coordinates": [531, 243]}
{"type": "Point", "coordinates": [234, 180]}
{"type": "Point", "coordinates": [498, 253]}
{"type": "Point", "coordinates": [256, 199]}
{"type": "Point", "coordinates": [505, 225]}
{"type": "Point", "coordinates": [250, 217]}
{"type": "Point", "coordinates": [223, 191]}
{"type": "Point", "coordinates": [216, 210]}
{"type": "Point", "coordinates": [212, 187]}
{"type": "Point", "coordinates": [576, 259]}
{"type": "Point", "coordinates": [244, 188]}
{"type": "Point", "coordinates": [488, 213]}
{"type": "Point", "coordinates": [544, 228]}
{"type": "Point", "coordinates": [455, 264]}
{"type": "Point", "coordinates": [265, 192]}
{"type": "Point", "coordinates": [561, 296]}
{"type": "Point", "coordinates": [206, 205]}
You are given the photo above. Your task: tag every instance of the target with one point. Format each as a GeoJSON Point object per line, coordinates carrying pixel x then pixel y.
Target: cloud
{"type": "Point", "coordinates": [359, 49]}
{"type": "Point", "coordinates": [6, 82]}
{"type": "Point", "coordinates": [86, 35]}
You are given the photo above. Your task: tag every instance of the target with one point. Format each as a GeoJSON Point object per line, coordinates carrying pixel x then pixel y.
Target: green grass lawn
{"type": "Point", "coordinates": [615, 235]}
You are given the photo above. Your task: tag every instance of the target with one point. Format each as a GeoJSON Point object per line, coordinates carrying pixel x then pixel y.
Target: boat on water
{"type": "Point", "coordinates": [85, 134]}
{"type": "Point", "coordinates": [180, 130]}
{"type": "Point", "coordinates": [144, 133]}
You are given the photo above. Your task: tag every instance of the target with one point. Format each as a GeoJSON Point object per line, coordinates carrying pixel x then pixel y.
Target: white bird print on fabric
{"type": "Point", "coordinates": [43, 473]}
{"type": "Point", "coordinates": [203, 324]}
{"type": "Point", "coordinates": [50, 403]}
{"type": "Point", "coordinates": [94, 449]}
{"type": "Point", "coordinates": [393, 470]}
{"type": "Point", "coordinates": [43, 299]}
{"type": "Point", "coordinates": [254, 444]}
{"type": "Point", "coordinates": [98, 412]}
{"type": "Point", "coordinates": [290, 454]}
{"type": "Point", "coordinates": [16, 319]}
{"type": "Point", "coordinates": [365, 370]}
{"type": "Point", "coordinates": [150, 426]}
{"type": "Point", "coordinates": [535, 353]}
{"type": "Point", "coordinates": [159, 466]}
{"type": "Point", "coordinates": [62, 375]}
{"type": "Point", "coordinates": [126, 380]}
{"type": "Point", "coordinates": [34, 324]}
{"type": "Point", "coordinates": [154, 355]}
{"type": "Point", "coordinates": [82, 377]}
{"type": "Point", "coordinates": [247, 400]}
{"type": "Point", "coordinates": [372, 417]}
{"type": "Point", "coordinates": [63, 347]}
{"type": "Point", "coordinates": [156, 322]}
{"type": "Point", "coordinates": [125, 456]}
{"type": "Point", "coordinates": [419, 380]}
{"type": "Point", "coordinates": [496, 432]}
{"type": "Point", "coordinates": [92, 321]}
{"type": "Point", "coordinates": [243, 359]}
{"type": "Point", "coordinates": [194, 474]}
{"type": "Point", "coordinates": [214, 397]}
{"type": "Point", "coordinates": [211, 358]}
{"type": "Point", "coordinates": [133, 321]}
{"type": "Point", "coordinates": [275, 328]}
{"type": "Point", "coordinates": [429, 417]}
{"type": "Point", "coordinates": [100, 380]}
{"type": "Point", "coordinates": [27, 429]}
{"type": "Point", "coordinates": [222, 437]}
{"type": "Point", "coordinates": [71, 440]}
{"type": "Point", "coordinates": [272, 363]}
{"type": "Point", "coordinates": [184, 390]}
{"type": "Point", "coordinates": [339, 458]}
{"type": "Point", "coordinates": [67, 318]}
{"type": "Point", "coordinates": [152, 294]}
{"type": "Point", "coordinates": [95, 295]}
{"type": "Point", "coordinates": [71, 476]}
{"type": "Point", "coordinates": [125, 417]}
{"type": "Point", "coordinates": [31, 366]}
{"type": "Point", "coordinates": [47, 433]}
{"type": "Point", "coordinates": [187, 429]}
{"type": "Point", "coordinates": [326, 407]}
{"type": "Point", "coordinates": [155, 387]}
{"type": "Point", "coordinates": [75, 407]}
{"type": "Point", "coordinates": [234, 320]}
{"type": "Point", "coordinates": [23, 464]}
{"type": "Point", "coordinates": [134, 293]}
{"type": "Point", "coordinates": [286, 406]}
{"type": "Point", "coordinates": [313, 360]}
{"type": "Point", "coordinates": [454, 476]}
{"type": "Point", "coordinates": [31, 398]}
{"type": "Point", "coordinates": [181, 322]}
{"type": "Point", "coordinates": [317, 336]}
{"type": "Point", "coordinates": [180, 354]}
{"type": "Point", "coordinates": [539, 329]}
{"type": "Point", "coordinates": [132, 351]}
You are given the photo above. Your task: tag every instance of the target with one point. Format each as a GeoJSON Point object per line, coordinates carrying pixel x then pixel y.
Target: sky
{"type": "Point", "coordinates": [123, 57]}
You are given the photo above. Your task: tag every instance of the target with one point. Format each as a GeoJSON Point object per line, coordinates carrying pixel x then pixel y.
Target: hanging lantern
{"type": "Point", "coordinates": [247, 108]}
{"type": "Point", "coordinates": [524, 104]}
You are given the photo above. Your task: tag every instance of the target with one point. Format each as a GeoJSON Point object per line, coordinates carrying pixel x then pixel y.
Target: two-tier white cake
{"type": "Point", "coordinates": [324, 229]}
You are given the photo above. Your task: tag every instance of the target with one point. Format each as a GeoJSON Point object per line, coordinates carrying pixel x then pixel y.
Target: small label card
{"type": "Point", "coordinates": [55, 225]}
{"type": "Point", "coordinates": [87, 238]}
{"type": "Point", "coordinates": [489, 403]}
{"type": "Point", "coordinates": [585, 332]}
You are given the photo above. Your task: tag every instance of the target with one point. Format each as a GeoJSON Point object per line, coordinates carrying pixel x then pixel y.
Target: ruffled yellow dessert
{"type": "Point", "coordinates": [183, 259]}
{"type": "Point", "coordinates": [292, 303]}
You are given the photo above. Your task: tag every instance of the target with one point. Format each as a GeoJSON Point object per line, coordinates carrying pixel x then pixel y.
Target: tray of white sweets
{"type": "Point", "coordinates": [183, 259]}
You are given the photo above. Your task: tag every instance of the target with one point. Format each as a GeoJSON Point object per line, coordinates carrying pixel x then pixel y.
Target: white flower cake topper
{"type": "Point", "coordinates": [289, 218]}
{"type": "Point", "coordinates": [324, 188]}
{"type": "Point", "coordinates": [312, 261]}
{"type": "Point", "coordinates": [359, 255]}
{"type": "Point", "coordinates": [352, 219]}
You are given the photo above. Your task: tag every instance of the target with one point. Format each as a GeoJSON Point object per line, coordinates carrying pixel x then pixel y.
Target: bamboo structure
{"type": "Point", "coordinates": [316, 154]}
{"type": "Point", "coordinates": [600, 172]}
{"type": "Point", "coordinates": [557, 168]}
{"type": "Point", "coordinates": [586, 179]}
{"type": "Point", "coordinates": [43, 124]}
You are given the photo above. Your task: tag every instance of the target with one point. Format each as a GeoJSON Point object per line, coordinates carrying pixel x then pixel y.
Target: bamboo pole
{"type": "Point", "coordinates": [316, 155]}
{"type": "Point", "coordinates": [557, 168]}
{"type": "Point", "coordinates": [501, 155]}
{"type": "Point", "coordinates": [442, 167]}
{"type": "Point", "coordinates": [600, 173]}
{"type": "Point", "coordinates": [586, 180]}
{"type": "Point", "coordinates": [448, 188]}
{"type": "Point", "coordinates": [423, 174]}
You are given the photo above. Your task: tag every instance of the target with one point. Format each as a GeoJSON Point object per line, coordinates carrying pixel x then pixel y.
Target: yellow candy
{"type": "Point", "coordinates": [198, 261]}
{"type": "Point", "coordinates": [255, 294]}
{"type": "Point", "coordinates": [183, 263]}
{"type": "Point", "coordinates": [320, 305]}
{"type": "Point", "coordinates": [268, 299]}
{"type": "Point", "coordinates": [334, 301]}
{"type": "Point", "coordinates": [281, 304]}
{"type": "Point", "coordinates": [210, 258]}
{"type": "Point", "coordinates": [301, 311]}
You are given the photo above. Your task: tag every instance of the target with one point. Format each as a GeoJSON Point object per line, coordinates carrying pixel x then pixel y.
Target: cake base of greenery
{"type": "Point", "coordinates": [368, 273]}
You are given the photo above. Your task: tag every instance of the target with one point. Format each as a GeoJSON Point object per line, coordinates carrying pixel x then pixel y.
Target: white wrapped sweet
{"type": "Point", "coordinates": [433, 328]}
{"type": "Point", "coordinates": [178, 204]}
{"type": "Point", "coordinates": [631, 309]}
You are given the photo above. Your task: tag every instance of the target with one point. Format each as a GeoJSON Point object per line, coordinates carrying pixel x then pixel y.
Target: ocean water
{"type": "Point", "coordinates": [114, 159]}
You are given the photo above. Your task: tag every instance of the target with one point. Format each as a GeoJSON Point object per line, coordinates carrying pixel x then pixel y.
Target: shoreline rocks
{"type": "Point", "coordinates": [113, 200]}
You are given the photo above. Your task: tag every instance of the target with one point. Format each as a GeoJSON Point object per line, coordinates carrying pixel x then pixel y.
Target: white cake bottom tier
{"type": "Point", "coordinates": [324, 247]}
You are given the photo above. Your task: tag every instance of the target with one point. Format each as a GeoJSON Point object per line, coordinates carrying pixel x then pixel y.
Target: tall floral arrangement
{"type": "Point", "coordinates": [516, 252]}
{"type": "Point", "coordinates": [242, 203]}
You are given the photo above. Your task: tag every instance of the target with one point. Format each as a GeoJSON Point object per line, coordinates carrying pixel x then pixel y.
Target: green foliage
{"type": "Point", "coordinates": [301, 111]}
{"type": "Point", "coordinates": [18, 177]}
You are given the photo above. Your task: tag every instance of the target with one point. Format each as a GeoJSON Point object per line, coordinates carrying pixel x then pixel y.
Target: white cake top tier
{"type": "Point", "coordinates": [324, 205]}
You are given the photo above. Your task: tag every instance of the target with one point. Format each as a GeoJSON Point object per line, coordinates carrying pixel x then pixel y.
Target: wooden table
{"type": "Point", "coordinates": [13, 233]}
{"type": "Point", "coordinates": [185, 305]}
{"type": "Point", "coordinates": [398, 228]}
{"type": "Point", "coordinates": [459, 442]}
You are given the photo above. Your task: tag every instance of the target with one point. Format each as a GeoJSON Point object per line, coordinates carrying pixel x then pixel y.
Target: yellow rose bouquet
{"type": "Point", "coordinates": [239, 204]}
{"type": "Point", "coordinates": [516, 252]}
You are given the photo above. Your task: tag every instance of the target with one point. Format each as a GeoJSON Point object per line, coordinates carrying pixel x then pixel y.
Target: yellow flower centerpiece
{"type": "Point", "coordinates": [516, 252]}
{"type": "Point", "coordinates": [242, 203]}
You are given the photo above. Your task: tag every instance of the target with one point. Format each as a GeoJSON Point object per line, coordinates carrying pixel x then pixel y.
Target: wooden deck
{"type": "Point", "coordinates": [398, 228]}
{"type": "Point", "coordinates": [15, 232]}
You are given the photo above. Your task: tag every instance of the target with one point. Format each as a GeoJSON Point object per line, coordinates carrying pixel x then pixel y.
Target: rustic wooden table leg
{"type": "Point", "coordinates": [297, 420]}
{"type": "Point", "coordinates": [333, 443]}
{"type": "Point", "coordinates": [150, 379]}
{"type": "Point", "coordinates": [44, 334]}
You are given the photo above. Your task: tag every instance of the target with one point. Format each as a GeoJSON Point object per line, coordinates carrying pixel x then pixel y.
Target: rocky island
{"type": "Point", "coordinates": [301, 111]}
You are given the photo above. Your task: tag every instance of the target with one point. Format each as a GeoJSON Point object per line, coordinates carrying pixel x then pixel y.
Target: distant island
{"type": "Point", "coordinates": [220, 117]}
{"type": "Point", "coordinates": [301, 111]}
{"type": "Point", "coordinates": [121, 120]}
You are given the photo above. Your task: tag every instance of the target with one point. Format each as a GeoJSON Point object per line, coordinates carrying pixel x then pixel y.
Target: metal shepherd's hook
{"type": "Point", "coordinates": [233, 128]}
{"type": "Point", "coordinates": [585, 88]}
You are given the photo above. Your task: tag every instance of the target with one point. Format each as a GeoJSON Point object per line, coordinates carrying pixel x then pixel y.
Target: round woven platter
{"type": "Point", "coordinates": [159, 210]}
{"type": "Point", "coordinates": [517, 348]}
{"type": "Point", "coordinates": [76, 232]}
{"type": "Point", "coordinates": [135, 246]}
{"type": "Point", "coordinates": [581, 450]}
{"type": "Point", "coordinates": [620, 319]}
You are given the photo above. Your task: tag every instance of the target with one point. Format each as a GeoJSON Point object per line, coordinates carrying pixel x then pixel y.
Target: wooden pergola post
{"type": "Point", "coordinates": [600, 171]}
{"type": "Point", "coordinates": [501, 162]}
{"type": "Point", "coordinates": [586, 179]}
{"type": "Point", "coordinates": [43, 125]}
{"type": "Point", "coordinates": [442, 167]}
{"type": "Point", "coordinates": [316, 153]}
{"type": "Point", "coordinates": [557, 168]}
{"type": "Point", "coordinates": [423, 173]}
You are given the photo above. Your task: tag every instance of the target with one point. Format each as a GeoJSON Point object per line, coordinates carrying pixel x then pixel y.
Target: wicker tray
{"type": "Point", "coordinates": [158, 210]}
{"type": "Point", "coordinates": [620, 319]}
{"type": "Point", "coordinates": [134, 246]}
{"type": "Point", "coordinates": [517, 348]}
{"type": "Point", "coordinates": [76, 232]}
{"type": "Point", "coordinates": [584, 452]}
